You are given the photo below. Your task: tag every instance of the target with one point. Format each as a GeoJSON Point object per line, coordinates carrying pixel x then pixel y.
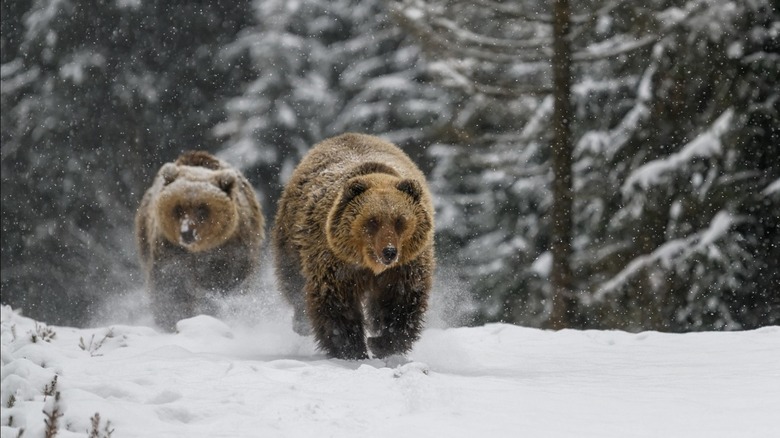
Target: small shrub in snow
{"type": "Point", "coordinates": [96, 432]}
{"type": "Point", "coordinates": [43, 333]}
{"type": "Point", "coordinates": [51, 388]}
{"type": "Point", "coordinates": [92, 347]}
{"type": "Point", "coordinates": [52, 416]}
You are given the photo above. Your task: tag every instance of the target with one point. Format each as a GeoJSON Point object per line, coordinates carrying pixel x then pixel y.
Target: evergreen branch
{"type": "Point", "coordinates": [670, 253]}
{"type": "Point", "coordinates": [51, 418]}
{"type": "Point", "coordinates": [43, 333]}
{"type": "Point", "coordinates": [484, 41]}
{"type": "Point", "coordinates": [435, 43]}
{"type": "Point", "coordinates": [95, 431]}
{"type": "Point", "coordinates": [50, 388]}
{"type": "Point", "coordinates": [515, 12]}
{"type": "Point", "coordinates": [92, 347]}
{"type": "Point", "coordinates": [472, 85]}
{"type": "Point", "coordinates": [593, 54]}
{"type": "Point", "coordinates": [604, 10]}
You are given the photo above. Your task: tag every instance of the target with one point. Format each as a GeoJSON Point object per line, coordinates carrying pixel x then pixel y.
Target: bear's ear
{"type": "Point", "coordinates": [353, 188]}
{"type": "Point", "coordinates": [411, 188]}
{"type": "Point", "coordinates": [169, 173]}
{"type": "Point", "coordinates": [226, 181]}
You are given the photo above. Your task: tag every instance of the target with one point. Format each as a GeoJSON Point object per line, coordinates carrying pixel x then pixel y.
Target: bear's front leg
{"type": "Point", "coordinates": [337, 320]}
{"type": "Point", "coordinates": [171, 299]}
{"type": "Point", "coordinates": [396, 308]}
{"type": "Point", "coordinates": [292, 285]}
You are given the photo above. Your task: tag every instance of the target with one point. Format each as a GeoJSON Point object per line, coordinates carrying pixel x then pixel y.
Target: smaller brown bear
{"type": "Point", "coordinates": [354, 229]}
{"type": "Point", "coordinates": [199, 228]}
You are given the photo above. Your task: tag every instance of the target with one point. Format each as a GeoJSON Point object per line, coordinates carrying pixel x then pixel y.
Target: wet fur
{"type": "Point", "coordinates": [226, 251]}
{"type": "Point", "coordinates": [328, 257]}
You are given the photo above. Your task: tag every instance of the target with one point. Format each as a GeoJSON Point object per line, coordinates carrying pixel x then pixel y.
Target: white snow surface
{"type": "Point", "coordinates": [217, 378]}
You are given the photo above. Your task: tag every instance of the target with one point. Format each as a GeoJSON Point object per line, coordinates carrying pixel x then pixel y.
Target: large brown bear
{"type": "Point", "coordinates": [199, 228]}
{"type": "Point", "coordinates": [354, 228]}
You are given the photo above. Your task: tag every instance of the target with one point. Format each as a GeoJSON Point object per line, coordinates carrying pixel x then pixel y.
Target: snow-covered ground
{"type": "Point", "coordinates": [236, 379]}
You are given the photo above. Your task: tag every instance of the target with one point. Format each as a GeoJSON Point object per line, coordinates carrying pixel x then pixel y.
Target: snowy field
{"type": "Point", "coordinates": [236, 379]}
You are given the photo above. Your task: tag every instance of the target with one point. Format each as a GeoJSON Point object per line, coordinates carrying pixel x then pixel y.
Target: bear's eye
{"type": "Point", "coordinates": [202, 212]}
{"type": "Point", "coordinates": [372, 225]}
{"type": "Point", "coordinates": [178, 212]}
{"type": "Point", "coordinates": [400, 225]}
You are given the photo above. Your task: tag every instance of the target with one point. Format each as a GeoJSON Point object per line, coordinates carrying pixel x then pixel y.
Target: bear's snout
{"type": "Point", "coordinates": [187, 232]}
{"type": "Point", "coordinates": [188, 236]}
{"type": "Point", "coordinates": [389, 255]}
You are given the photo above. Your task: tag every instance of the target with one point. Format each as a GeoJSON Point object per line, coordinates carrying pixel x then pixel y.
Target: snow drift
{"type": "Point", "coordinates": [232, 379]}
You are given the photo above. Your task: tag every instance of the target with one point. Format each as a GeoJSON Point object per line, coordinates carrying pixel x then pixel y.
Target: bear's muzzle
{"type": "Point", "coordinates": [187, 233]}
{"type": "Point", "coordinates": [389, 255]}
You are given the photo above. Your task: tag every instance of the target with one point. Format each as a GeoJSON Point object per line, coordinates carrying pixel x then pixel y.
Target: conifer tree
{"type": "Point", "coordinates": [95, 97]}
{"type": "Point", "coordinates": [323, 68]}
{"type": "Point", "coordinates": [646, 250]}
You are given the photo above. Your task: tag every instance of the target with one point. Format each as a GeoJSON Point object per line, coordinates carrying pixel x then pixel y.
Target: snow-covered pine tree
{"type": "Point", "coordinates": [95, 96]}
{"type": "Point", "coordinates": [492, 176]}
{"type": "Point", "coordinates": [649, 80]}
{"type": "Point", "coordinates": [323, 68]}
{"type": "Point", "coordinates": [694, 177]}
{"type": "Point", "coordinates": [516, 57]}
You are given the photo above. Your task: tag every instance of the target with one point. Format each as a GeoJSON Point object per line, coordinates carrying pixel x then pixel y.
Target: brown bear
{"type": "Point", "coordinates": [354, 230]}
{"type": "Point", "coordinates": [199, 228]}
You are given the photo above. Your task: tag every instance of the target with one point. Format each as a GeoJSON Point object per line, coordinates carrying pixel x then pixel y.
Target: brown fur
{"type": "Point", "coordinates": [200, 159]}
{"type": "Point", "coordinates": [354, 227]}
{"type": "Point", "coordinates": [198, 229]}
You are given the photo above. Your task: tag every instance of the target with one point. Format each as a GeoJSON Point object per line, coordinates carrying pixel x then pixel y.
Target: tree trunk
{"type": "Point", "coordinates": [563, 304]}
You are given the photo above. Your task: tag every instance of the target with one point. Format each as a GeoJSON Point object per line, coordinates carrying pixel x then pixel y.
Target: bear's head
{"type": "Point", "coordinates": [380, 221]}
{"type": "Point", "coordinates": [196, 207]}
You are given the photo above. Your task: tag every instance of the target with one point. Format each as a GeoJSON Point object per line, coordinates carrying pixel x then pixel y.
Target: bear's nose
{"type": "Point", "coordinates": [187, 236]}
{"type": "Point", "coordinates": [389, 254]}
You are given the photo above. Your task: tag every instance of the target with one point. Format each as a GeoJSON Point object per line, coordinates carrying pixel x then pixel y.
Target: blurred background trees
{"type": "Point", "coordinates": [673, 141]}
{"type": "Point", "coordinates": [662, 134]}
{"type": "Point", "coordinates": [321, 68]}
{"type": "Point", "coordinates": [95, 96]}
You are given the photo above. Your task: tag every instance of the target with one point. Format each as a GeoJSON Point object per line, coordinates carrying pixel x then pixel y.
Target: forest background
{"type": "Point", "coordinates": [601, 164]}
